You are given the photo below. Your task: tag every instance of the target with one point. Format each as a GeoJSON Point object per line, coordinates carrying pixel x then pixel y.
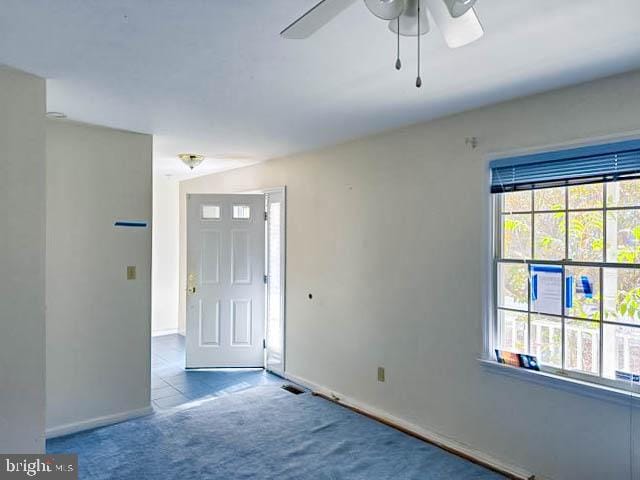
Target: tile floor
{"type": "Point", "coordinates": [172, 385]}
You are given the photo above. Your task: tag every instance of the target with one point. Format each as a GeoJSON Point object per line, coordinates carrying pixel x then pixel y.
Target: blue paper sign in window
{"type": "Point", "coordinates": [546, 289]}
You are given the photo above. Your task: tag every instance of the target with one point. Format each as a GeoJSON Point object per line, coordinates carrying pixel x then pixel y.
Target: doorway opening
{"type": "Point", "coordinates": [236, 265]}
{"type": "Point", "coordinates": [275, 233]}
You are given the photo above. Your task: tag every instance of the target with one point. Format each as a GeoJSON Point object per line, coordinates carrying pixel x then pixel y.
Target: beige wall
{"type": "Point", "coordinates": [98, 322]}
{"type": "Point", "coordinates": [389, 233]}
{"type": "Point", "coordinates": [164, 304]}
{"type": "Point", "coordinates": [22, 279]}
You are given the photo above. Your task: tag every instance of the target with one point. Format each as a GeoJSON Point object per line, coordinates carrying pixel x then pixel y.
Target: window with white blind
{"type": "Point", "coordinates": [566, 267]}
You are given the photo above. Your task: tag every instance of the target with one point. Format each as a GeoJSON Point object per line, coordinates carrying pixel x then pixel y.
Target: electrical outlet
{"type": "Point", "coordinates": [131, 273]}
{"type": "Point", "coordinates": [381, 374]}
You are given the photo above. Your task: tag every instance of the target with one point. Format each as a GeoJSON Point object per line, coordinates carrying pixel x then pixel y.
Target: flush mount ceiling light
{"type": "Point", "coordinates": [191, 160]}
{"type": "Point", "coordinates": [456, 20]}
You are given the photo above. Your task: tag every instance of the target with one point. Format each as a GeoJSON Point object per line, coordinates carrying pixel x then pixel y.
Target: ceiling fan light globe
{"type": "Point", "coordinates": [408, 21]}
{"type": "Point", "coordinates": [386, 9]}
{"type": "Point", "coordinates": [457, 8]}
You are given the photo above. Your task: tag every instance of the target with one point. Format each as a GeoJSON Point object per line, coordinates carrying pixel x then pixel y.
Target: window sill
{"type": "Point", "coordinates": [572, 385]}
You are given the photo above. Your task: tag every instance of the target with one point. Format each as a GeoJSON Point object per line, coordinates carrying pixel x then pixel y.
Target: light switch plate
{"type": "Point", "coordinates": [381, 374]}
{"type": "Point", "coordinates": [131, 273]}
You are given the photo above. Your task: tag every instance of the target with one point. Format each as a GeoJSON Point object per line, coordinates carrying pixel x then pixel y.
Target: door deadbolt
{"type": "Point", "coordinates": [191, 284]}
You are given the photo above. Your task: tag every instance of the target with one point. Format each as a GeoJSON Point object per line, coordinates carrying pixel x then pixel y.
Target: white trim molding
{"type": "Point", "coordinates": [283, 271]}
{"type": "Point", "coordinates": [573, 385]}
{"type": "Point", "coordinates": [162, 333]}
{"type": "Point", "coordinates": [432, 437]}
{"type": "Point", "coordinates": [92, 423]}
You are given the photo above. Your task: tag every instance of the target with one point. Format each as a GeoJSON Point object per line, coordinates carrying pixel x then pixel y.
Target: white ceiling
{"type": "Point", "coordinates": [214, 77]}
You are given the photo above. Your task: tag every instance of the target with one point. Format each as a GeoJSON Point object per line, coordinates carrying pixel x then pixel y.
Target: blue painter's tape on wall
{"type": "Point", "coordinates": [130, 224]}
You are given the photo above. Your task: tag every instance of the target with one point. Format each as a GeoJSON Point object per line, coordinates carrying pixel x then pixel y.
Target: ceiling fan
{"type": "Point", "coordinates": [456, 20]}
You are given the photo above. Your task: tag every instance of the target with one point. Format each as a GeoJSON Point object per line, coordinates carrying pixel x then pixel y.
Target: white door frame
{"type": "Point", "coordinates": [283, 269]}
{"type": "Point", "coordinates": [283, 285]}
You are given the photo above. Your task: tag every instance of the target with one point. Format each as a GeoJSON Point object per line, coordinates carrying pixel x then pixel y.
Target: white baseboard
{"type": "Point", "coordinates": [432, 437]}
{"type": "Point", "coordinates": [97, 422]}
{"type": "Point", "coordinates": [162, 333]}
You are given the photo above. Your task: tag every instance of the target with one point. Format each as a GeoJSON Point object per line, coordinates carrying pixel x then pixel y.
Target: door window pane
{"type": "Point", "coordinates": [274, 310]}
{"type": "Point", "coordinates": [585, 196]}
{"type": "Point", "coordinates": [513, 331]}
{"type": "Point", "coordinates": [210, 212]}
{"type": "Point", "coordinates": [621, 290]}
{"type": "Point", "coordinates": [516, 236]}
{"type": "Point", "coordinates": [513, 286]}
{"type": "Point", "coordinates": [241, 212]}
{"type": "Point", "coordinates": [582, 346]}
{"type": "Point", "coordinates": [586, 236]}
{"type": "Point", "coordinates": [549, 198]}
{"type": "Point", "coordinates": [546, 340]}
{"type": "Point", "coordinates": [549, 238]}
{"type": "Point", "coordinates": [623, 236]}
{"type": "Point", "coordinates": [582, 292]}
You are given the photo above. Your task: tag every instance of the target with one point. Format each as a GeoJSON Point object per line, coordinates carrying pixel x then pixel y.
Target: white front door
{"type": "Point", "coordinates": [225, 283]}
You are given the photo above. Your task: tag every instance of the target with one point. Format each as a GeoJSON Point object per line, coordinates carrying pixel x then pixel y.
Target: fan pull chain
{"type": "Point", "coordinates": [419, 79]}
{"type": "Point", "coordinates": [398, 62]}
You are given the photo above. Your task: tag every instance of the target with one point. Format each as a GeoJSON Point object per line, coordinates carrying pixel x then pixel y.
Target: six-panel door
{"type": "Point", "coordinates": [225, 283]}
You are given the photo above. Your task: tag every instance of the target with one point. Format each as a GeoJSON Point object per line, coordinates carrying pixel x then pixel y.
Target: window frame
{"type": "Point", "coordinates": [496, 246]}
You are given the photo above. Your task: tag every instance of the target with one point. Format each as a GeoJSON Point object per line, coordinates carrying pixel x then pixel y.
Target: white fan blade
{"type": "Point", "coordinates": [316, 18]}
{"type": "Point", "coordinates": [459, 31]}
